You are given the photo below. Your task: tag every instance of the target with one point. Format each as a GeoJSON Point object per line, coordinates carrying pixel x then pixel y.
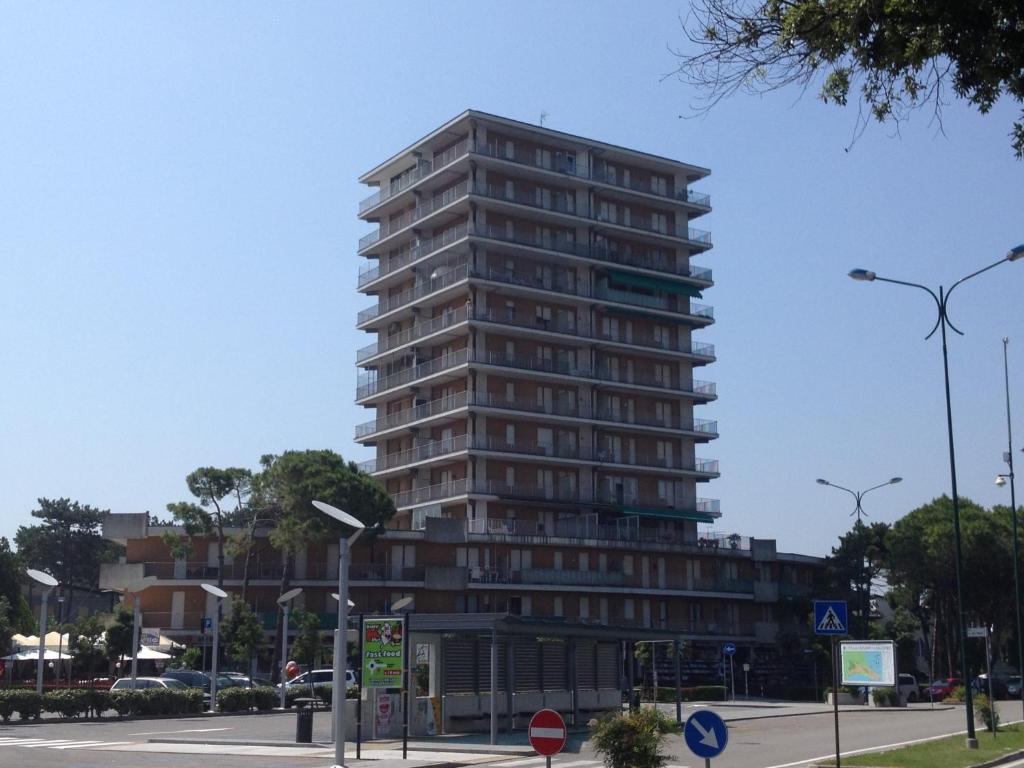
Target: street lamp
{"type": "Point", "coordinates": [220, 594]}
{"type": "Point", "coordinates": [48, 583]}
{"type": "Point", "coordinates": [341, 636]}
{"type": "Point", "coordinates": [135, 587]}
{"type": "Point", "coordinates": [1001, 481]}
{"type": "Point", "coordinates": [60, 638]}
{"type": "Point", "coordinates": [941, 303]}
{"type": "Point", "coordinates": [858, 510]}
{"type": "Point", "coordinates": [285, 602]}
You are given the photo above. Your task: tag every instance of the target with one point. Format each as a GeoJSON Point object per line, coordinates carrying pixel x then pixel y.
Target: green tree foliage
{"type": "Point", "coordinates": [6, 625]}
{"type": "Point", "coordinates": [192, 658]}
{"type": "Point", "coordinates": [119, 635]}
{"type": "Point", "coordinates": [307, 640]}
{"type": "Point", "coordinates": [215, 489]}
{"type": "Point", "coordinates": [285, 489]}
{"type": "Point", "coordinates": [855, 566]}
{"type": "Point", "coordinates": [68, 544]}
{"type": "Point", "coordinates": [922, 570]}
{"type": "Point", "coordinates": [895, 57]}
{"type": "Point", "coordinates": [86, 647]}
{"type": "Point", "coordinates": [11, 570]}
{"type": "Point", "coordinates": [241, 632]}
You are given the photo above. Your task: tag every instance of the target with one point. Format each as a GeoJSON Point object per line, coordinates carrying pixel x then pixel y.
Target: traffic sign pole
{"type": "Point", "coordinates": [835, 695]}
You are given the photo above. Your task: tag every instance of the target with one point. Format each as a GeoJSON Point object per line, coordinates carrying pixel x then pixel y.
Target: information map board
{"type": "Point", "coordinates": [868, 663]}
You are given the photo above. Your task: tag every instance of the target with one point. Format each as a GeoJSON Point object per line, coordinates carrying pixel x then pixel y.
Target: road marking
{"type": "Point", "coordinates": [49, 743]}
{"type": "Point", "coordinates": [520, 763]}
{"type": "Point", "coordinates": [188, 730]}
{"type": "Point", "coordinates": [9, 742]}
{"type": "Point", "coordinates": [79, 745]}
{"type": "Point", "coordinates": [879, 748]}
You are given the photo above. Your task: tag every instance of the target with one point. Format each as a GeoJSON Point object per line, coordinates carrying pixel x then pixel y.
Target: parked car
{"type": "Point", "coordinates": [1013, 684]}
{"type": "Point", "coordinates": [239, 678]}
{"type": "Point", "coordinates": [321, 677]}
{"type": "Point", "coordinates": [190, 677]}
{"type": "Point", "coordinates": [980, 685]}
{"type": "Point", "coordinates": [908, 688]}
{"type": "Point", "coordinates": [940, 689]}
{"type": "Point", "coordinates": [142, 683]}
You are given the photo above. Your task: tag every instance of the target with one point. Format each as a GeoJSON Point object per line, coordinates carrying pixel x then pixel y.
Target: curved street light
{"type": "Point", "coordinates": [48, 583]}
{"type": "Point", "coordinates": [942, 321]}
{"type": "Point", "coordinates": [220, 594]}
{"type": "Point", "coordinates": [341, 636]}
{"type": "Point", "coordinates": [285, 602]}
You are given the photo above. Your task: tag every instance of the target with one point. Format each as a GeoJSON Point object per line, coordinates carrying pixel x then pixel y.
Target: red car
{"type": "Point", "coordinates": [940, 689]}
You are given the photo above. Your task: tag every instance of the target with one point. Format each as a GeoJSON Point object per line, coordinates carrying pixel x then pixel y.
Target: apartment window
{"type": "Point", "coordinates": [510, 477]}
{"type": "Point", "coordinates": [659, 222]}
{"type": "Point", "coordinates": [543, 316]}
{"type": "Point", "coordinates": [558, 561]}
{"type": "Point", "coordinates": [542, 157]}
{"type": "Point", "coordinates": [603, 609]}
{"type": "Point", "coordinates": [584, 607]}
{"type": "Point", "coordinates": [510, 350]}
{"type": "Point", "coordinates": [544, 357]}
{"type": "Point", "coordinates": [510, 150]}
{"type": "Point", "coordinates": [627, 565]}
{"type": "Point", "coordinates": [568, 162]}
{"type": "Point", "coordinates": [662, 337]}
{"type": "Point", "coordinates": [510, 435]}
{"type": "Point", "coordinates": [584, 561]}
{"type": "Point", "coordinates": [659, 185]}
{"type": "Point", "coordinates": [545, 399]}
{"type": "Point", "coordinates": [510, 310]}
{"type": "Point", "coordinates": [546, 440]}
{"type": "Point", "coordinates": [526, 605]}
{"type": "Point", "coordinates": [510, 391]}
{"type": "Point", "coordinates": [546, 482]}
{"type": "Point", "coordinates": [460, 557]}
{"type": "Point", "coordinates": [664, 453]}
{"type": "Point", "coordinates": [662, 374]}
{"type": "Point", "coordinates": [542, 197]}
{"type": "Point", "coordinates": [628, 609]}
{"type": "Point", "coordinates": [625, 177]}
{"type": "Point", "coordinates": [510, 267]}
{"type": "Point", "coordinates": [602, 562]}
{"type": "Point", "coordinates": [510, 190]}
{"type": "Point", "coordinates": [625, 216]}
{"type": "Point", "coordinates": [610, 328]}
{"type": "Point", "coordinates": [558, 607]}
{"type": "Point", "coordinates": [545, 275]}
{"type": "Point", "coordinates": [663, 413]}
{"type": "Point", "coordinates": [666, 491]}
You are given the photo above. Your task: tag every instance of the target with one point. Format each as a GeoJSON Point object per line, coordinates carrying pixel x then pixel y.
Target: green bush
{"type": "Point", "coordinates": [985, 712]}
{"type": "Point", "coordinates": [70, 702]}
{"type": "Point", "coordinates": [7, 707]}
{"type": "Point", "coordinates": [957, 694]}
{"type": "Point", "coordinates": [265, 698]}
{"type": "Point", "coordinates": [886, 697]}
{"type": "Point", "coordinates": [234, 699]}
{"type": "Point", "coordinates": [28, 704]}
{"type": "Point", "coordinates": [97, 701]}
{"type": "Point", "coordinates": [124, 702]}
{"type": "Point", "coordinates": [634, 740]}
{"type": "Point", "coordinates": [157, 701]}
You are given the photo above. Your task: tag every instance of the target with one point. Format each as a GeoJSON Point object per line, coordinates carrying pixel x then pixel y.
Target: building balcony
{"type": "Point", "coordinates": [418, 214]}
{"type": "Point", "coordinates": [410, 179]}
{"type": "Point", "coordinates": [562, 165]}
{"type": "Point", "coordinates": [420, 330]}
{"type": "Point", "coordinates": [432, 493]}
{"type": "Point", "coordinates": [661, 302]}
{"type": "Point", "coordinates": [409, 416]}
{"type": "Point", "coordinates": [444, 364]}
{"type": "Point", "coordinates": [418, 454]}
{"type": "Point", "coordinates": [649, 225]}
{"type": "Point", "coordinates": [384, 305]}
{"type": "Point", "coordinates": [374, 270]}
{"type": "Point", "coordinates": [685, 194]}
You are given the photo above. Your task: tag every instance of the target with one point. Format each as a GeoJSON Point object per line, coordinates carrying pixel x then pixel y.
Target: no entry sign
{"type": "Point", "coordinates": [547, 732]}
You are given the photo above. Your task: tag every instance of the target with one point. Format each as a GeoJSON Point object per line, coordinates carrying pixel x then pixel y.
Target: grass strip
{"type": "Point", "coordinates": [950, 752]}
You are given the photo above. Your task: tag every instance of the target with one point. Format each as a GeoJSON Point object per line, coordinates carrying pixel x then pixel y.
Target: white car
{"type": "Point", "coordinates": [908, 688]}
{"type": "Point", "coordinates": [321, 677]}
{"type": "Point", "coordinates": [142, 683]}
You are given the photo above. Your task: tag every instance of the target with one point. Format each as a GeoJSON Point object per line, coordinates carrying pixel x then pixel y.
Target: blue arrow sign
{"type": "Point", "coordinates": [729, 649]}
{"type": "Point", "coordinates": [706, 734]}
{"type": "Point", "coordinates": [207, 623]}
{"type": "Point", "coordinates": [830, 617]}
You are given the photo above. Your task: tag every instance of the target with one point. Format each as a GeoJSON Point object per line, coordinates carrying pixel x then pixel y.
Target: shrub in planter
{"type": "Point", "coordinates": [70, 702]}
{"type": "Point", "coordinates": [97, 701]}
{"type": "Point", "coordinates": [190, 701]}
{"type": "Point", "coordinates": [634, 740]}
{"type": "Point", "coordinates": [125, 702]}
{"type": "Point", "coordinates": [28, 703]}
{"type": "Point", "coordinates": [957, 694]}
{"type": "Point", "coordinates": [885, 697]}
{"type": "Point", "coordinates": [234, 699]}
{"type": "Point", "coordinates": [7, 707]}
{"type": "Point", "coordinates": [265, 698]}
{"type": "Point", "coordinates": [985, 712]}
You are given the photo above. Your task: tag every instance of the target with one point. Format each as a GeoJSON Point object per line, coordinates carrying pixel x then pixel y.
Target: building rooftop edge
{"type": "Point", "coordinates": [700, 171]}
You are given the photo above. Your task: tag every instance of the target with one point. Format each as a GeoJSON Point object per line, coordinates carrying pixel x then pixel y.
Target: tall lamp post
{"type": "Point", "coordinates": [48, 583]}
{"type": "Point", "coordinates": [858, 510]}
{"type": "Point", "coordinates": [285, 602]}
{"type": "Point", "coordinates": [1001, 481]}
{"type": "Point", "coordinates": [220, 594]}
{"type": "Point", "coordinates": [134, 588]}
{"type": "Point", "coordinates": [941, 303]}
{"type": "Point", "coordinates": [341, 636]}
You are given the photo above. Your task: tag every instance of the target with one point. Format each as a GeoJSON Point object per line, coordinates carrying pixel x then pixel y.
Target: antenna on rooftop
{"type": "Point", "coordinates": [543, 117]}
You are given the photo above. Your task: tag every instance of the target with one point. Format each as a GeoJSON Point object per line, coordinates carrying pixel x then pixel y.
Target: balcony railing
{"type": "Point", "coordinates": [417, 413]}
{"type": "Point", "coordinates": [665, 302]}
{"type": "Point", "coordinates": [376, 269]}
{"type": "Point", "coordinates": [418, 291]}
{"type": "Point", "coordinates": [534, 492]}
{"type": "Point", "coordinates": [406, 180]}
{"type": "Point", "coordinates": [200, 571]}
{"type": "Point", "coordinates": [418, 453]}
{"type": "Point", "coordinates": [585, 528]}
{"type": "Point", "coordinates": [410, 217]}
{"type": "Point", "coordinates": [431, 493]}
{"type": "Point", "coordinates": [417, 331]}
{"type": "Point", "coordinates": [559, 164]}
{"type": "Point", "coordinates": [413, 373]}
{"type": "Point", "coordinates": [616, 180]}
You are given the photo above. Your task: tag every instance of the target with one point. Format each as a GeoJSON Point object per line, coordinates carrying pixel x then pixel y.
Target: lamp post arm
{"type": "Point", "coordinates": [876, 487]}
{"type": "Point", "coordinates": [974, 274]}
{"type": "Point", "coordinates": [940, 304]}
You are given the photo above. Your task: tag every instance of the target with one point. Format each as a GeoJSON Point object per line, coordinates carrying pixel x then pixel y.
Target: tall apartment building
{"type": "Point", "coordinates": [534, 377]}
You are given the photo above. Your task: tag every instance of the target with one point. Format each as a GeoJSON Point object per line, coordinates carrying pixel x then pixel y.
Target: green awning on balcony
{"type": "Point", "coordinates": [669, 514]}
{"type": "Point", "coordinates": [652, 284]}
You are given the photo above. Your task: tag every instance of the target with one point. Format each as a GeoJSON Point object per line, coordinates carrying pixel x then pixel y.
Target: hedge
{"type": "Point", "coordinates": [157, 701]}
{"type": "Point", "coordinates": [238, 699]}
{"type": "Point", "coordinates": [28, 704]}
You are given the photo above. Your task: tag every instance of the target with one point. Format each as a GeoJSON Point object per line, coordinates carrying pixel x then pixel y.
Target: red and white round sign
{"type": "Point", "coordinates": [547, 732]}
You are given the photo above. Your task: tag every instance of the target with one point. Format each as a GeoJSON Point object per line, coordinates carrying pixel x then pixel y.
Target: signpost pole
{"type": "Point", "coordinates": [835, 695]}
{"type": "Point", "coordinates": [732, 676]}
{"type": "Point", "coordinates": [988, 672]}
{"type": "Point", "coordinates": [406, 703]}
{"type": "Point", "coordinates": [359, 701]}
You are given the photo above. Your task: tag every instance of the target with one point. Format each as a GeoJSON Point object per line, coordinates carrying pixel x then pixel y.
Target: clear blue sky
{"type": "Point", "coordinates": [178, 231]}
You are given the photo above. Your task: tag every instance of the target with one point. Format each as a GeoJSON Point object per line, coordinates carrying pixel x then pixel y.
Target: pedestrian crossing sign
{"type": "Point", "coordinates": [830, 617]}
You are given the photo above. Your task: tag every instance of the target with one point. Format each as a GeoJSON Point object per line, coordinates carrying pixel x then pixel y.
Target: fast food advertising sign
{"type": "Point", "coordinates": [382, 652]}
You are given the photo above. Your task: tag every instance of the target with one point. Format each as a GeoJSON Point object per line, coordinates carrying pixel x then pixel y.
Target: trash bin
{"type": "Point", "coordinates": [303, 722]}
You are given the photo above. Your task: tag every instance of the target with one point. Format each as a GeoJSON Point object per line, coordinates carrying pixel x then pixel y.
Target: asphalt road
{"type": "Point", "coordinates": [785, 736]}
